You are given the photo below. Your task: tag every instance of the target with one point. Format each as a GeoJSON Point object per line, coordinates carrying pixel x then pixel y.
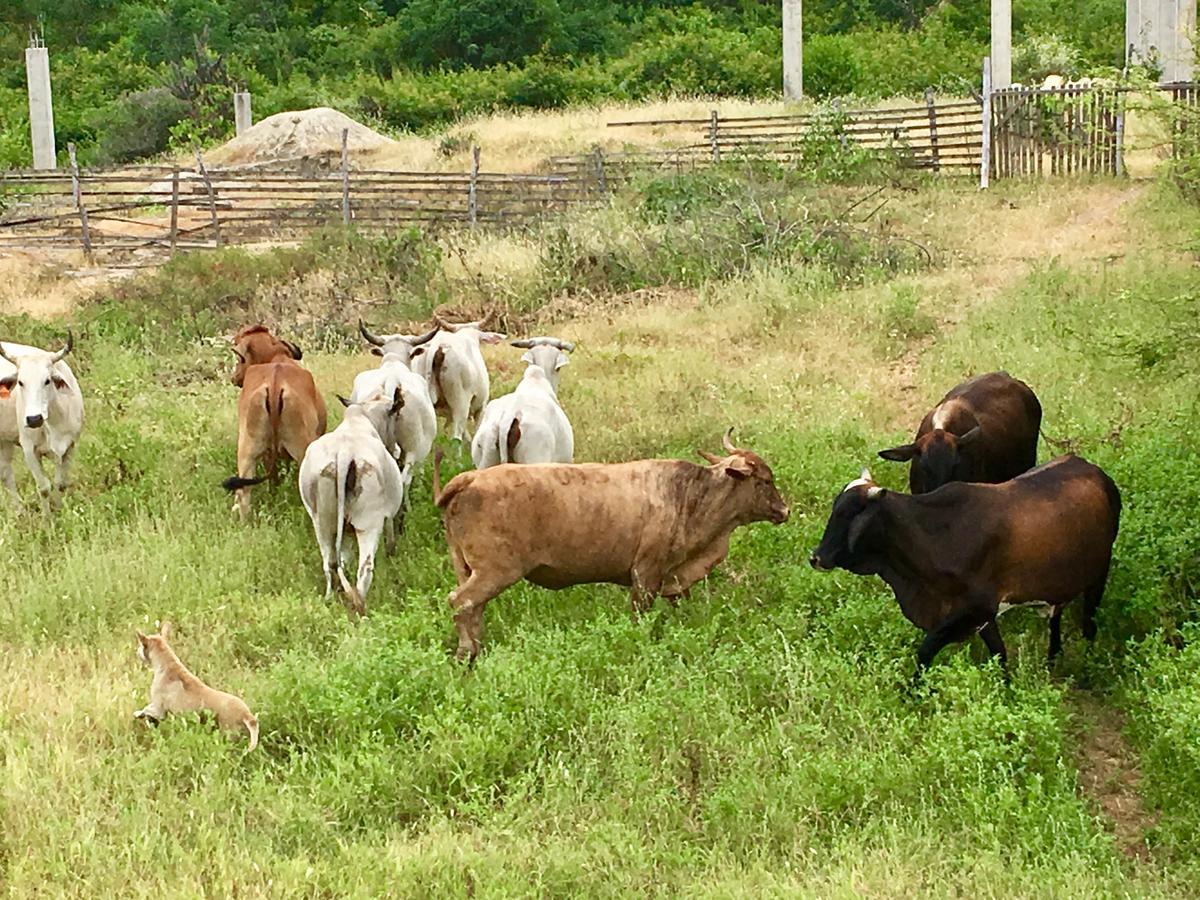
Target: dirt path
{"type": "Point", "coordinates": [1109, 776]}
{"type": "Point", "coordinates": [1033, 233]}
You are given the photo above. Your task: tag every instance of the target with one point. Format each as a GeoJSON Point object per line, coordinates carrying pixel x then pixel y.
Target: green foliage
{"type": "Point", "coordinates": [422, 64]}
{"type": "Point", "coordinates": [1040, 55]}
{"type": "Point", "coordinates": [137, 125]}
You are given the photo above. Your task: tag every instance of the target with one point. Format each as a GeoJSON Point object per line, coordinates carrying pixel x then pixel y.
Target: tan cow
{"type": "Point", "coordinates": [656, 526]}
{"type": "Point", "coordinates": [280, 411]}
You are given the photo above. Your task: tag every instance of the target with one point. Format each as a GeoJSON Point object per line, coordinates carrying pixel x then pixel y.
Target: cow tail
{"type": "Point", "coordinates": [345, 473]}
{"type": "Point", "coordinates": [251, 725]}
{"type": "Point", "coordinates": [509, 438]}
{"type": "Point", "coordinates": [274, 416]}
{"type": "Point", "coordinates": [435, 373]}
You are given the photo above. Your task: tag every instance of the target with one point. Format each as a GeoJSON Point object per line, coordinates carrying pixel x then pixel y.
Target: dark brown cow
{"type": "Point", "coordinates": [656, 526]}
{"type": "Point", "coordinates": [280, 411]}
{"type": "Point", "coordinates": [960, 556]}
{"type": "Point", "coordinates": [984, 430]}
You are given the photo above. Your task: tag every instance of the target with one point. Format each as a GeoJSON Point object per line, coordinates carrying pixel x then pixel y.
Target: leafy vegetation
{"type": "Point", "coordinates": [420, 64]}
{"type": "Point", "coordinates": [758, 739]}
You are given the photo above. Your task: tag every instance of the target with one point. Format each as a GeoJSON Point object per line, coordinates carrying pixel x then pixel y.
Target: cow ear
{"type": "Point", "coordinates": [377, 352]}
{"type": "Point", "coordinates": [59, 382]}
{"type": "Point", "coordinates": [417, 352]}
{"type": "Point", "coordinates": [899, 454]}
{"type": "Point", "coordinates": [563, 360]}
{"type": "Point", "coordinates": [738, 467]}
{"type": "Point", "coordinates": [971, 436]}
{"type": "Point", "coordinates": [490, 337]}
{"type": "Point", "coordinates": [527, 357]}
{"type": "Point", "coordinates": [294, 349]}
{"type": "Point", "coordinates": [8, 383]}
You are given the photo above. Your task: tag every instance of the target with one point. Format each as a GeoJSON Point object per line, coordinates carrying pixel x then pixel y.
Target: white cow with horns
{"type": "Point", "coordinates": [41, 410]}
{"type": "Point", "coordinates": [348, 477]}
{"type": "Point", "coordinates": [528, 425]}
{"type": "Point", "coordinates": [413, 427]}
{"type": "Point", "coordinates": [453, 366]}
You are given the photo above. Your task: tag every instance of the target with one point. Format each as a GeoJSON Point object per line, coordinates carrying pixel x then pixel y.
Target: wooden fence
{"type": "Point", "coordinates": [1063, 131]}
{"type": "Point", "coordinates": [935, 135]}
{"type": "Point", "coordinates": [154, 209]}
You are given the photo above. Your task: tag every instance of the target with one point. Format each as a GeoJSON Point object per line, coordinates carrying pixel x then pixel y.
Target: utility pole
{"type": "Point", "coordinates": [1001, 44]}
{"type": "Point", "coordinates": [793, 50]}
{"type": "Point", "coordinates": [41, 110]}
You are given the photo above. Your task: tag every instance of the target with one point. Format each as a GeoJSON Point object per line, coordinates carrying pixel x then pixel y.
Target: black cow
{"type": "Point", "coordinates": [984, 430]}
{"type": "Point", "coordinates": [959, 556]}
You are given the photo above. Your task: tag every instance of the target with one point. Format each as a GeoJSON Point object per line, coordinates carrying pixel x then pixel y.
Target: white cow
{"type": "Point", "coordinates": [528, 425]}
{"type": "Point", "coordinates": [410, 432]}
{"type": "Point", "coordinates": [453, 366]}
{"type": "Point", "coordinates": [348, 477]}
{"type": "Point", "coordinates": [41, 409]}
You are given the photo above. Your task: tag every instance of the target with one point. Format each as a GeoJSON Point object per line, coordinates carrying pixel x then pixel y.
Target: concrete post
{"type": "Point", "coordinates": [793, 50]}
{"type": "Point", "coordinates": [1002, 44]}
{"type": "Point", "coordinates": [241, 111]}
{"type": "Point", "coordinates": [1161, 31]}
{"type": "Point", "coordinates": [41, 110]}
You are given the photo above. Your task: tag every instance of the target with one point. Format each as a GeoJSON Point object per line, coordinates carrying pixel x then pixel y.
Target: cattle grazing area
{"type": "Point", "coordinates": [763, 735]}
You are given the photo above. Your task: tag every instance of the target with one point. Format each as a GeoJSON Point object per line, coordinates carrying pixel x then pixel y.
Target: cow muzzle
{"type": "Point", "coordinates": [817, 563]}
{"type": "Point", "coordinates": [35, 421]}
{"type": "Point", "coordinates": [779, 514]}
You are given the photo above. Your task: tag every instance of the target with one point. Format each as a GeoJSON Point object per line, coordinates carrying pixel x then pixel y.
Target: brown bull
{"type": "Point", "coordinates": [984, 430]}
{"type": "Point", "coordinates": [958, 557]}
{"type": "Point", "coordinates": [280, 411]}
{"type": "Point", "coordinates": [656, 526]}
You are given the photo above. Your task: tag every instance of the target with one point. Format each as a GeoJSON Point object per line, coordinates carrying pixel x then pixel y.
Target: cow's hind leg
{"type": "Point", "coordinates": [468, 601]}
{"type": "Point", "coordinates": [1055, 635]}
{"type": "Point", "coordinates": [368, 543]}
{"type": "Point", "coordinates": [1091, 602]}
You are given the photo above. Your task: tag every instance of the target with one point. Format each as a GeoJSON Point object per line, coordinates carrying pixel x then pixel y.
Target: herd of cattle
{"type": "Point", "coordinates": [982, 530]}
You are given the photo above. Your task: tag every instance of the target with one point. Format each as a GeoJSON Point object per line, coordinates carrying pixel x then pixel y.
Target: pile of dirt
{"type": "Point", "coordinates": [292, 136]}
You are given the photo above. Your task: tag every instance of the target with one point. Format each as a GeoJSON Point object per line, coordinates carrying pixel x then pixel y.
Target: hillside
{"type": "Point", "coordinates": [760, 739]}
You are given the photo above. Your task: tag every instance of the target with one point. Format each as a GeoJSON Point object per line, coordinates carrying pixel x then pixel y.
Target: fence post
{"type": "Point", "coordinates": [212, 200]}
{"type": "Point", "coordinates": [472, 195]}
{"type": "Point", "coordinates": [601, 178]}
{"type": "Point", "coordinates": [241, 112]}
{"type": "Point", "coordinates": [933, 137]}
{"type": "Point", "coordinates": [345, 176]}
{"type": "Point", "coordinates": [713, 131]}
{"type": "Point", "coordinates": [77, 193]}
{"type": "Point", "coordinates": [174, 208]}
{"type": "Point", "coordinates": [1119, 149]}
{"type": "Point", "coordinates": [985, 155]}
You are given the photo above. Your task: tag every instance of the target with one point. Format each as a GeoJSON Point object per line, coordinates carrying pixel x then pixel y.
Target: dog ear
{"type": "Point", "coordinates": [141, 637]}
{"type": "Point", "coordinates": [164, 630]}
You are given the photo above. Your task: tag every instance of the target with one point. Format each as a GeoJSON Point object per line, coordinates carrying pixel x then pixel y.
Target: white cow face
{"type": "Point", "coordinates": [34, 383]}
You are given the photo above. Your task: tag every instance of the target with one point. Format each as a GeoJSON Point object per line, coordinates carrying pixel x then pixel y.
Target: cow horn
{"type": "Point", "coordinates": [727, 443]}
{"type": "Point", "coordinates": [565, 346]}
{"type": "Point", "coordinates": [66, 347]}
{"type": "Point", "coordinates": [370, 335]}
{"type": "Point", "coordinates": [5, 356]}
{"type": "Point", "coordinates": [343, 400]}
{"type": "Point", "coordinates": [524, 343]}
{"type": "Point", "coordinates": [424, 338]}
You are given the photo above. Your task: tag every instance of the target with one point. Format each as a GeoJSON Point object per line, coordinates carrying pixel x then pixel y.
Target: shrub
{"type": "Point", "coordinates": [1040, 55]}
{"type": "Point", "coordinates": [137, 125]}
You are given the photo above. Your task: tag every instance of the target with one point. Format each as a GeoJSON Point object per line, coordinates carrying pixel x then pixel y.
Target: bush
{"type": "Point", "coordinates": [137, 125]}
{"type": "Point", "coordinates": [1040, 55]}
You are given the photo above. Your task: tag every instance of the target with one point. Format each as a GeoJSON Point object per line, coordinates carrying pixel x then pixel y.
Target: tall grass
{"type": "Point", "coordinates": [757, 740]}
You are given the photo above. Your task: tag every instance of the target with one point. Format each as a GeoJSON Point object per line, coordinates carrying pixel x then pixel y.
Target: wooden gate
{"type": "Point", "coordinates": [1062, 131]}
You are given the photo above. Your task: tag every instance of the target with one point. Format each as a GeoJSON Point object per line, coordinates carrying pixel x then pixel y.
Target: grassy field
{"type": "Point", "coordinates": [756, 741]}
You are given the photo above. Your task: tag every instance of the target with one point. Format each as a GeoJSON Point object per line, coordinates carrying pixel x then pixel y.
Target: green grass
{"type": "Point", "coordinates": [759, 740]}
